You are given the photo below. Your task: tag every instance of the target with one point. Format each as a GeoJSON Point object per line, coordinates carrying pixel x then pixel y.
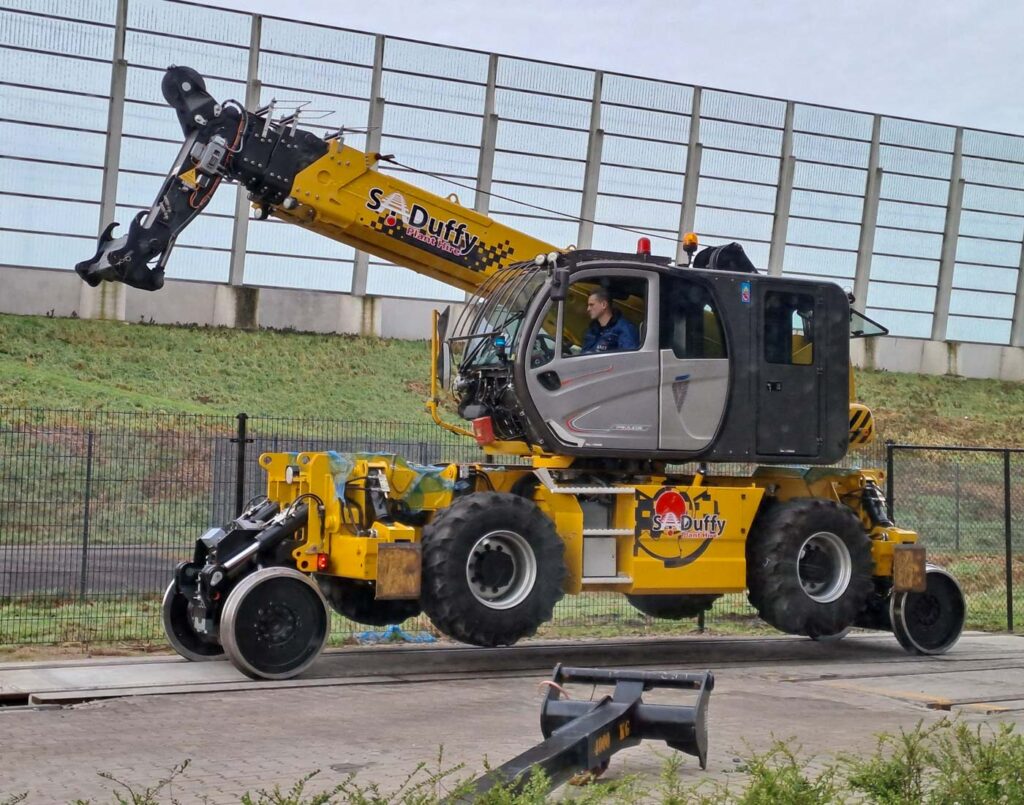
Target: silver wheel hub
{"type": "Point", "coordinates": [501, 569]}
{"type": "Point", "coordinates": [824, 567]}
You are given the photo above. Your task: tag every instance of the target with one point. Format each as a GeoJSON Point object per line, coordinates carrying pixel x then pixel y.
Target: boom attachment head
{"type": "Point", "coordinates": [222, 142]}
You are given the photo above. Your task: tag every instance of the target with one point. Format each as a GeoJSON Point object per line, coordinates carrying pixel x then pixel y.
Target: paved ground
{"type": "Point", "coordinates": [243, 735]}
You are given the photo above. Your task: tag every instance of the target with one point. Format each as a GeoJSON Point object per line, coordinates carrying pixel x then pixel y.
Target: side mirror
{"type": "Point", "coordinates": [559, 283]}
{"type": "Point", "coordinates": [444, 375]}
{"type": "Point", "coordinates": [441, 354]}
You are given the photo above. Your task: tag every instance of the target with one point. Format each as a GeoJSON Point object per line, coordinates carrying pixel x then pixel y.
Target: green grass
{"type": "Point", "coordinates": [135, 622]}
{"type": "Point", "coordinates": [983, 580]}
{"type": "Point", "coordinates": [926, 409]}
{"type": "Point", "coordinates": [43, 620]}
{"type": "Point", "coordinates": [115, 366]}
{"type": "Point", "coordinates": [95, 365]}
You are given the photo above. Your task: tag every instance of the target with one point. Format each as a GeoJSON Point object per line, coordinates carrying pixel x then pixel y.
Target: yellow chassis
{"type": "Point", "coordinates": [701, 555]}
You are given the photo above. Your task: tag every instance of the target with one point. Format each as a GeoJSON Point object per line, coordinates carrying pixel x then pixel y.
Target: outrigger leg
{"type": "Point", "coordinates": [583, 735]}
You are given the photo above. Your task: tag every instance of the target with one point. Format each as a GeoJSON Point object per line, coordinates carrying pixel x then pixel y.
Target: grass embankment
{"type": "Point", "coordinates": [926, 409]}
{"type": "Point", "coordinates": [93, 365]}
{"type": "Point", "coordinates": [74, 364]}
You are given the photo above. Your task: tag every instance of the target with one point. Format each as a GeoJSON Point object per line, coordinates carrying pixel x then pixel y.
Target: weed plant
{"type": "Point", "coordinates": [947, 762]}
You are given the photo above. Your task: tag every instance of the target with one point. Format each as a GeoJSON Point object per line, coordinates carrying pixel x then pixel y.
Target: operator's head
{"type": "Point", "coordinates": [599, 305]}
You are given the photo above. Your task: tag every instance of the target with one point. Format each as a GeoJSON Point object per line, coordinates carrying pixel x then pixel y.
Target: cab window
{"type": "Point", "coordinates": [789, 328]}
{"type": "Point", "coordinates": [690, 323]}
{"type": "Point", "coordinates": [543, 350]}
{"type": "Point", "coordinates": [604, 314]}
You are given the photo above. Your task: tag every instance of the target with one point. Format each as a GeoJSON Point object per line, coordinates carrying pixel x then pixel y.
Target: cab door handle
{"type": "Point", "coordinates": [550, 380]}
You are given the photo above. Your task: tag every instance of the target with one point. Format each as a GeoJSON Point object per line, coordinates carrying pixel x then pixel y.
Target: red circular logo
{"type": "Point", "coordinates": [669, 507]}
{"type": "Point", "coordinates": [391, 220]}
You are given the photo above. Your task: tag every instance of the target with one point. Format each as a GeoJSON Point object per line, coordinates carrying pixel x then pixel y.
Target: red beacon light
{"type": "Point", "coordinates": [643, 246]}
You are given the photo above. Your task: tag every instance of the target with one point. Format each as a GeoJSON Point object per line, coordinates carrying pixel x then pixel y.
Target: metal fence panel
{"type": "Point", "coordinates": [96, 508]}
{"type": "Point", "coordinates": [967, 506]}
{"type": "Point", "coordinates": [94, 511]}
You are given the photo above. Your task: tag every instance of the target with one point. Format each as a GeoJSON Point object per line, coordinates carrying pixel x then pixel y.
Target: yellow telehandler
{"type": "Point", "coordinates": [608, 387]}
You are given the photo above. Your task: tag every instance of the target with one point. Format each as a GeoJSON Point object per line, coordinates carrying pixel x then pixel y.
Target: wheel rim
{"type": "Point", "coordinates": [275, 624]}
{"type": "Point", "coordinates": [501, 569]}
{"type": "Point", "coordinates": [183, 639]}
{"type": "Point", "coordinates": [824, 567]}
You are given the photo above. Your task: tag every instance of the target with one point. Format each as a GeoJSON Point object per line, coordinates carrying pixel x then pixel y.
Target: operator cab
{"type": "Point", "coordinates": [682, 363]}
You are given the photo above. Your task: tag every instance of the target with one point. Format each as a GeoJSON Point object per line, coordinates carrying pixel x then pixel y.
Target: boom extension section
{"type": "Point", "coordinates": [320, 184]}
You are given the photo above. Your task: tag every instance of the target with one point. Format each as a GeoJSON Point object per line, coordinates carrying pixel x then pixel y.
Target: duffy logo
{"type": "Point", "coordinates": [668, 523]}
{"type": "Point", "coordinates": [672, 518]}
{"type": "Point", "coordinates": [447, 236]}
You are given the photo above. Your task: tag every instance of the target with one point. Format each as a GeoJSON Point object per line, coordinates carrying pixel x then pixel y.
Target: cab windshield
{"type": "Point", "coordinates": [488, 334]}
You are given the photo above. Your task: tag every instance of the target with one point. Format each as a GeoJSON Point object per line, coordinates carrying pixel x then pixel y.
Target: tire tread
{"type": "Point", "coordinates": [447, 600]}
{"type": "Point", "coordinates": [773, 587]}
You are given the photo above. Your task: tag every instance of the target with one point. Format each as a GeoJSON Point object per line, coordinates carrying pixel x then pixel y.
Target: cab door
{"type": "Point", "coordinates": [603, 400]}
{"type": "Point", "coordinates": [789, 397]}
{"type": "Point", "coordinates": [694, 363]}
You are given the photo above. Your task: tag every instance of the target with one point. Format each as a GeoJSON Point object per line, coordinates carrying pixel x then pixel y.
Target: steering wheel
{"type": "Point", "coordinates": [543, 349]}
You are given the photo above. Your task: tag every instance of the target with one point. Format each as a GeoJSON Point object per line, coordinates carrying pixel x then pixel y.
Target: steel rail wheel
{"type": "Point", "coordinates": [275, 623]}
{"type": "Point", "coordinates": [673, 607]}
{"type": "Point", "coordinates": [180, 634]}
{"type": "Point", "coordinates": [929, 622]}
{"type": "Point", "coordinates": [355, 600]}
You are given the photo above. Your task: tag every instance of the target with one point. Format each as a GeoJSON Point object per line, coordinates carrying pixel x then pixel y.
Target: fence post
{"type": "Point", "coordinates": [889, 485]}
{"type": "Point", "coordinates": [85, 516]}
{"type": "Point", "coordinates": [241, 440]}
{"type": "Point", "coordinates": [956, 534]}
{"type": "Point", "coordinates": [1009, 542]}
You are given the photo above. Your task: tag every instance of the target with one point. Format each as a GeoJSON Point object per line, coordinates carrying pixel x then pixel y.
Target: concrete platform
{"type": "Point", "coordinates": [380, 711]}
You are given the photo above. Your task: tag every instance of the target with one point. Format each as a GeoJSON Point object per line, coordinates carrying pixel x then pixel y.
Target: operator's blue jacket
{"type": "Point", "coordinates": [617, 335]}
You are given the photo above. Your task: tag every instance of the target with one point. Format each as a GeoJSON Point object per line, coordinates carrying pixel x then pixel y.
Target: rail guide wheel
{"type": "Point", "coordinates": [929, 622]}
{"type": "Point", "coordinates": [180, 634]}
{"type": "Point", "coordinates": [274, 624]}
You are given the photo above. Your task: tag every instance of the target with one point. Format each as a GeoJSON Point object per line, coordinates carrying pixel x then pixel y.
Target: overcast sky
{"type": "Point", "coordinates": [951, 61]}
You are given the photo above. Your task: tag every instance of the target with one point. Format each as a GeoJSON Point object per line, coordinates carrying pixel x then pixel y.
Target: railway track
{"type": "Point", "coordinates": [61, 683]}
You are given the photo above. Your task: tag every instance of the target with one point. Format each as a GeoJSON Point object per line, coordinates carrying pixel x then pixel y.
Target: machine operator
{"type": "Point", "coordinates": [609, 330]}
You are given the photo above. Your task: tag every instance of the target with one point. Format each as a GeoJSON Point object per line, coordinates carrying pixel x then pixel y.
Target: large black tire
{"type": "Point", "coordinates": [809, 567]}
{"type": "Point", "coordinates": [493, 569]}
{"type": "Point", "coordinates": [355, 600]}
{"type": "Point", "coordinates": [673, 607]}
